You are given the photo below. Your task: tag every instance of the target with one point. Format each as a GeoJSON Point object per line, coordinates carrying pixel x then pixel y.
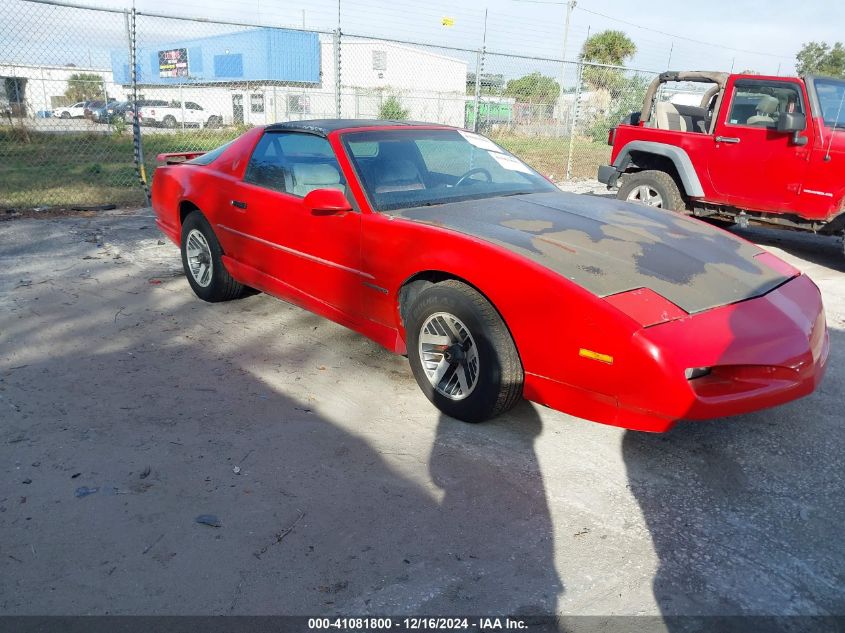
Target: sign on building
{"type": "Point", "coordinates": [173, 63]}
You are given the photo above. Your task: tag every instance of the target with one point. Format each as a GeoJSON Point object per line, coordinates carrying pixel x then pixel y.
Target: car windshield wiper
{"type": "Point", "coordinates": [515, 193]}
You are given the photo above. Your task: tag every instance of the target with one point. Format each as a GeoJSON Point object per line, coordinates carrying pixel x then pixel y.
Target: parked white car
{"type": "Point", "coordinates": [75, 111]}
{"type": "Point", "coordinates": [175, 114]}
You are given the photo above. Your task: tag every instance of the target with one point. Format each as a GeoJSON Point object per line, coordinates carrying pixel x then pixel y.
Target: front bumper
{"type": "Point", "coordinates": [762, 352]}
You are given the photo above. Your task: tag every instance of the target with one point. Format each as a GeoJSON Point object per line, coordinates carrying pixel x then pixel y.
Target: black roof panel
{"type": "Point", "coordinates": [326, 126]}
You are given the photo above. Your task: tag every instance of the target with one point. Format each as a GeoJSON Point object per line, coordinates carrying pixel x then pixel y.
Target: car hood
{"type": "Point", "coordinates": [608, 246]}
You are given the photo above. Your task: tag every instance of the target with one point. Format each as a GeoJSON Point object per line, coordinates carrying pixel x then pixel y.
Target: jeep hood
{"type": "Point", "coordinates": [609, 246]}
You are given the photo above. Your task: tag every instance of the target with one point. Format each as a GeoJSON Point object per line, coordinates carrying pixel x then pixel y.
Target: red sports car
{"type": "Point", "coordinates": [439, 244]}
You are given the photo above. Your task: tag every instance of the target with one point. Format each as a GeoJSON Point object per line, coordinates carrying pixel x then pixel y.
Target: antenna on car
{"type": "Point", "coordinates": [833, 127]}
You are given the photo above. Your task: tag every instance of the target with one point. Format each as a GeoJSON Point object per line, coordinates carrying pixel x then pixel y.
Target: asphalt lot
{"type": "Point", "coordinates": [339, 489]}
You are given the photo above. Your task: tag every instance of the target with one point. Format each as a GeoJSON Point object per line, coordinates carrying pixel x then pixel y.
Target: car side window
{"type": "Point", "coordinates": [192, 106]}
{"type": "Point", "coordinates": [294, 163]}
{"type": "Point", "coordinates": [759, 103]}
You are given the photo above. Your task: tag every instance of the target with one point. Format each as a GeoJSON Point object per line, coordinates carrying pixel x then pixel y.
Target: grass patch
{"type": "Point", "coordinates": [85, 169]}
{"type": "Point", "coordinates": [549, 155]}
{"type": "Point", "coordinates": [91, 169]}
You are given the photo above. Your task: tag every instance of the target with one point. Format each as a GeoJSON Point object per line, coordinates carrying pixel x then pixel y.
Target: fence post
{"type": "Point", "coordinates": [337, 83]}
{"type": "Point", "coordinates": [479, 68]}
{"type": "Point", "coordinates": [573, 123]}
{"type": "Point", "coordinates": [136, 124]}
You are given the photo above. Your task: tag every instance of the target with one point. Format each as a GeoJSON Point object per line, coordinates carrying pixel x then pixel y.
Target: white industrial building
{"type": "Point", "coordinates": [428, 86]}
{"type": "Point", "coordinates": [30, 90]}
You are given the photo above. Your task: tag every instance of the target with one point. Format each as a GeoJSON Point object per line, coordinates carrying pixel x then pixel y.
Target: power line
{"type": "Point", "coordinates": [681, 37]}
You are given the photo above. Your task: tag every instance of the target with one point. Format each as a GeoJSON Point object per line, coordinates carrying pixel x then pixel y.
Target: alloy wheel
{"type": "Point", "coordinates": [644, 194]}
{"type": "Point", "coordinates": [449, 355]}
{"type": "Point", "coordinates": [199, 258]}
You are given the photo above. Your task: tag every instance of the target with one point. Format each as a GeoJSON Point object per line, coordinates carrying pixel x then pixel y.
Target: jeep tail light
{"type": "Point", "coordinates": [611, 136]}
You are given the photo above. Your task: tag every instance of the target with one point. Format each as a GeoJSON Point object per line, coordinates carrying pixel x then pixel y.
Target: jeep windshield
{"type": "Point", "coordinates": [831, 95]}
{"type": "Point", "coordinates": [415, 167]}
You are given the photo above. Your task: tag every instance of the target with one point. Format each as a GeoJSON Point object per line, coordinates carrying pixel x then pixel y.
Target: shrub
{"type": "Point", "coordinates": [391, 108]}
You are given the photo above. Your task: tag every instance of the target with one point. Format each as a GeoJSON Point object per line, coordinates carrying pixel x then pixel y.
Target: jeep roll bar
{"type": "Point", "coordinates": [720, 79]}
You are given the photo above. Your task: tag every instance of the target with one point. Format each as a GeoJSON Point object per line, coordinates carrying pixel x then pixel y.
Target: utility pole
{"type": "Point", "coordinates": [479, 70]}
{"type": "Point", "coordinates": [569, 7]}
{"type": "Point", "coordinates": [671, 50]}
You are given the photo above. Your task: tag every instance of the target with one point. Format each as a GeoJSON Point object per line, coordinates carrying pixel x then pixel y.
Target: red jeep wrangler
{"type": "Point", "coordinates": [758, 149]}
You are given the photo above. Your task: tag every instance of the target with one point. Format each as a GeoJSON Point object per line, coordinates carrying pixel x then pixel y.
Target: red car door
{"type": "Point", "coordinates": [753, 166]}
{"type": "Point", "coordinates": [313, 253]}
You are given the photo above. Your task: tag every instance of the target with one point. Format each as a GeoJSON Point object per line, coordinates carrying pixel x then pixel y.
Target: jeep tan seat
{"type": "Point", "coordinates": [766, 107]}
{"type": "Point", "coordinates": [693, 117]}
{"type": "Point", "coordinates": [667, 117]}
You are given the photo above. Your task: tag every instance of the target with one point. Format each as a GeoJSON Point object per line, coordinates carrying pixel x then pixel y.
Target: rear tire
{"type": "Point", "coordinates": [213, 122]}
{"type": "Point", "coordinates": [169, 122]}
{"type": "Point", "coordinates": [652, 188]}
{"type": "Point", "coordinates": [461, 353]}
{"type": "Point", "coordinates": [202, 259]}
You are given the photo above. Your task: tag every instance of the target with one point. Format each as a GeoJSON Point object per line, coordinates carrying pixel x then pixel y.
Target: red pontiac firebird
{"type": "Point", "coordinates": [439, 244]}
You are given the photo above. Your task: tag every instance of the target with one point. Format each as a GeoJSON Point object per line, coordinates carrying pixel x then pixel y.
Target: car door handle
{"type": "Point", "coordinates": [727, 139]}
{"type": "Point", "coordinates": [239, 204]}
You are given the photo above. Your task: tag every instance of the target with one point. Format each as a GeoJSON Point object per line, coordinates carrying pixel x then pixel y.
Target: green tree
{"type": "Point", "coordinates": [533, 88]}
{"type": "Point", "coordinates": [609, 47]}
{"type": "Point", "coordinates": [392, 109]}
{"type": "Point", "coordinates": [627, 98]}
{"type": "Point", "coordinates": [820, 58]}
{"type": "Point", "coordinates": [84, 87]}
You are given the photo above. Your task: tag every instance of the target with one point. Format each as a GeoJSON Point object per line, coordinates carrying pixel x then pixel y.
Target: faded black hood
{"type": "Point", "coordinates": [609, 246]}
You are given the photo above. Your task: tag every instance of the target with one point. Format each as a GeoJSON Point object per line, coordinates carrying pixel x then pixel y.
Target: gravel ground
{"type": "Point", "coordinates": [336, 488]}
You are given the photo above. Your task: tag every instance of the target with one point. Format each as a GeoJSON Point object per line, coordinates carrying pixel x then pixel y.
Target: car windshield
{"type": "Point", "coordinates": [414, 167]}
{"type": "Point", "coordinates": [831, 94]}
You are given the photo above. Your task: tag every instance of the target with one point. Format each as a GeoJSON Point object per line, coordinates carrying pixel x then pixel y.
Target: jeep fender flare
{"type": "Point", "coordinates": [681, 160]}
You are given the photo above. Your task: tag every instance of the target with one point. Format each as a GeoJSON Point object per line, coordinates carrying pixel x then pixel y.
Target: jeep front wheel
{"type": "Point", "coordinates": [652, 188]}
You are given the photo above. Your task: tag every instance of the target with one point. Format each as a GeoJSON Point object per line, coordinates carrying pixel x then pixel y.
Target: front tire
{"type": "Point", "coordinates": [652, 188]}
{"type": "Point", "coordinates": [461, 353]}
{"type": "Point", "coordinates": [169, 122]}
{"type": "Point", "coordinates": [203, 262]}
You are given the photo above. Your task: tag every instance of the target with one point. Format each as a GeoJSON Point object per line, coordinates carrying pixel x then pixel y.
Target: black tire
{"type": "Point", "coordinates": [660, 182]}
{"type": "Point", "coordinates": [221, 286]}
{"type": "Point", "coordinates": [169, 121]}
{"type": "Point", "coordinates": [65, 115]}
{"type": "Point", "coordinates": [500, 376]}
{"type": "Point", "coordinates": [213, 122]}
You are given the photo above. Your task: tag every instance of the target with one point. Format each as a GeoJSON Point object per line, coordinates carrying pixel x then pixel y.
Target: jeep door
{"type": "Point", "coordinates": [753, 166]}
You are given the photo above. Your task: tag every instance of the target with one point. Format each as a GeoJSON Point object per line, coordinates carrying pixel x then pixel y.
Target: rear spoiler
{"type": "Point", "coordinates": [174, 158]}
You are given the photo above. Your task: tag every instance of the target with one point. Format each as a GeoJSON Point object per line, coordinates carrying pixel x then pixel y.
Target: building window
{"type": "Point", "coordinates": [256, 102]}
{"type": "Point", "coordinates": [379, 60]}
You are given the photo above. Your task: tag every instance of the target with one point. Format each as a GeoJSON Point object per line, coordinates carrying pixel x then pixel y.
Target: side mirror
{"type": "Point", "coordinates": [793, 122]}
{"type": "Point", "coordinates": [326, 202]}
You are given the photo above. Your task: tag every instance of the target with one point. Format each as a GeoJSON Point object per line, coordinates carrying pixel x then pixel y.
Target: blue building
{"type": "Point", "coordinates": [254, 55]}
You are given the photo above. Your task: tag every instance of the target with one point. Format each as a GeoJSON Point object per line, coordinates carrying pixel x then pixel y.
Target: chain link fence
{"type": "Point", "coordinates": [70, 99]}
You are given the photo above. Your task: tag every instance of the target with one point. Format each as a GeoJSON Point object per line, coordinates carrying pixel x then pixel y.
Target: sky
{"type": "Point", "coordinates": [706, 35]}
